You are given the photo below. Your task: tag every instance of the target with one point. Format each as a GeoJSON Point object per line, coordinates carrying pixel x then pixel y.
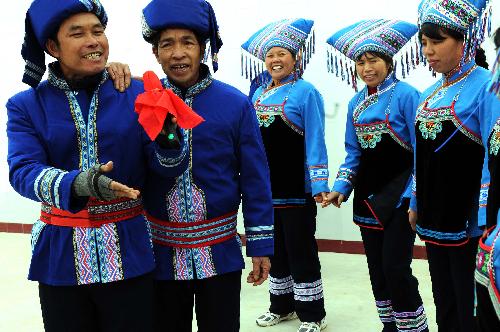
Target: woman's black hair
{"type": "Point", "coordinates": [481, 58]}
{"type": "Point", "coordinates": [436, 32]}
{"type": "Point", "coordinates": [496, 39]}
{"type": "Point", "coordinates": [387, 59]}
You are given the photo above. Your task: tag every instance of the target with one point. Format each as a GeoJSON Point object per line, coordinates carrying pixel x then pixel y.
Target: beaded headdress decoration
{"type": "Point", "coordinates": [377, 35]}
{"type": "Point", "coordinates": [296, 35]}
{"type": "Point", "coordinates": [495, 78]}
{"type": "Point", "coordinates": [472, 18]}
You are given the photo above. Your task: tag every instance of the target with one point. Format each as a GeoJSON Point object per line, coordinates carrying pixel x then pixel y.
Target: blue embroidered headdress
{"type": "Point", "coordinates": [469, 17]}
{"type": "Point", "coordinates": [383, 36]}
{"type": "Point", "coordinates": [296, 35]}
{"type": "Point", "coordinates": [195, 15]}
{"type": "Point", "coordinates": [42, 22]}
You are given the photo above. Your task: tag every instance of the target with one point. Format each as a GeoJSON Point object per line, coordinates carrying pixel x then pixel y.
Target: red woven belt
{"type": "Point", "coordinates": [95, 214]}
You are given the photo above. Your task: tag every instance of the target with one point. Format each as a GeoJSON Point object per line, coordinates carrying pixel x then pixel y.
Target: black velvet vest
{"type": "Point", "coordinates": [380, 166]}
{"type": "Point", "coordinates": [285, 150]}
{"type": "Point", "coordinates": [448, 180]}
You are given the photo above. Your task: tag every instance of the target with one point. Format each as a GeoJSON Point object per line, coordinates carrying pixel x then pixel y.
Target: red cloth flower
{"type": "Point", "coordinates": [156, 102]}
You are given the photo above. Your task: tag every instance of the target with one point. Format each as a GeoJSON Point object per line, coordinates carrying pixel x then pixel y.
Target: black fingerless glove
{"type": "Point", "coordinates": [93, 183]}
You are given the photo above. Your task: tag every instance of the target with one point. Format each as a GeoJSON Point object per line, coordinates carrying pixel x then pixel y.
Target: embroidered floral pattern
{"type": "Point", "coordinates": [371, 134]}
{"type": "Point", "coordinates": [346, 175]}
{"type": "Point", "coordinates": [482, 259]}
{"type": "Point", "coordinates": [431, 122]}
{"type": "Point", "coordinates": [266, 114]}
{"type": "Point", "coordinates": [430, 129]}
{"type": "Point", "coordinates": [495, 139]}
{"type": "Point", "coordinates": [266, 119]}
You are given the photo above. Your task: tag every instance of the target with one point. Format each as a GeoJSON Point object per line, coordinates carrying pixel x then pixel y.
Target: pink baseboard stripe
{"type": "Point", "coordinates": [339, 246]}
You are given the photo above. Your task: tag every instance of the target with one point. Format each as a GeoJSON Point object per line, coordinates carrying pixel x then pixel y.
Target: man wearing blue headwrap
{"type": "Point", "coordinates": [193, 217]}
{"type": "Point", "coordinates": [91, 247]}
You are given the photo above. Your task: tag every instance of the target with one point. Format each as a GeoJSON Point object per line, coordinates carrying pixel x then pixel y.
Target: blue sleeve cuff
{"type": "Point", "coordinates": [413, 203]}
{"type": "Point", "coordinates": [343, 187]}
{"type": "Point", "coordinates": [260, 248]}
{"type": "Point", "coordinates": [319, 187]}
{"type": "Point", "coordinates": [71, 203]}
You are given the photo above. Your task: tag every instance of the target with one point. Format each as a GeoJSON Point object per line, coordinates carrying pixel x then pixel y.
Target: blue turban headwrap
{"type": "Point", "coordinates": [195, 15]}
{"type": "Point", "coordinates": [43, 20]}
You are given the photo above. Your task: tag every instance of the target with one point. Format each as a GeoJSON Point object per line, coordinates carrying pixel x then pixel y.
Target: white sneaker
{"type": "Point", "coordinates": [270, 319]}
{"type": "Point", "coordinates": [313, 326]}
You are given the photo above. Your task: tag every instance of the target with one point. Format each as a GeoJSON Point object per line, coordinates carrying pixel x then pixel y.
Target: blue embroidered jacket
{"type": "Point", "coordinates": [488, 258]}
{"type": "Point", "coordinates": [389, 111]}
{"type": "Point", "coordinates": [458, 105]}
{"type": "Point", "coordinates": [490, 182]}
{"type": "Point", "coordinates": [193, 217]}
{"type": "Point", "coordinates": [53, 134]}
{"type": "Point", "coordinates": [298, 105]}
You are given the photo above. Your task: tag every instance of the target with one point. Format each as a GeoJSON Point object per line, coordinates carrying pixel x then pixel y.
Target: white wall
{"type": "Point", "coordinates": [237, 20]}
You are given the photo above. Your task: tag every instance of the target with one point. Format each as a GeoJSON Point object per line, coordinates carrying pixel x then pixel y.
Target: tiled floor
{"type": "Point", "coordinates": [348, 297]}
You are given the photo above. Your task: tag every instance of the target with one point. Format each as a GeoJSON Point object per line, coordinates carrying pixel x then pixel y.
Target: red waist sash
{"type": "Point", "coordinates": [193, 234]}
{"type": "Point", "coordinates": [95, 214]}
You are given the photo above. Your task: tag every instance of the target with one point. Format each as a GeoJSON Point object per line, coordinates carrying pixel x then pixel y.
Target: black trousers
{"type": "Point", "coordinates": [216, 301]}
{"type": "Point", "coordinates": [487, 319]}
{"type": "Point", "coordinates": [452, 276]}
{"type": "Point", "coordinates": [121, 306]}
{"type": "Point", "coordinates": [295, 276]}
{"type": "Point", "coordinates": [389, 254]}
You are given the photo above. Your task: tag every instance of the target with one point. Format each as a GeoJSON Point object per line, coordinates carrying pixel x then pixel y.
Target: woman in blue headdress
{"type": "Point", "coordinates": [379, 130]}
{"type": "Point", "coordinates": [290, 112]}
{"type": "Point", "coordinates": [487, 273]}
{"type": "Point", "coordinates": [451, 122]}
